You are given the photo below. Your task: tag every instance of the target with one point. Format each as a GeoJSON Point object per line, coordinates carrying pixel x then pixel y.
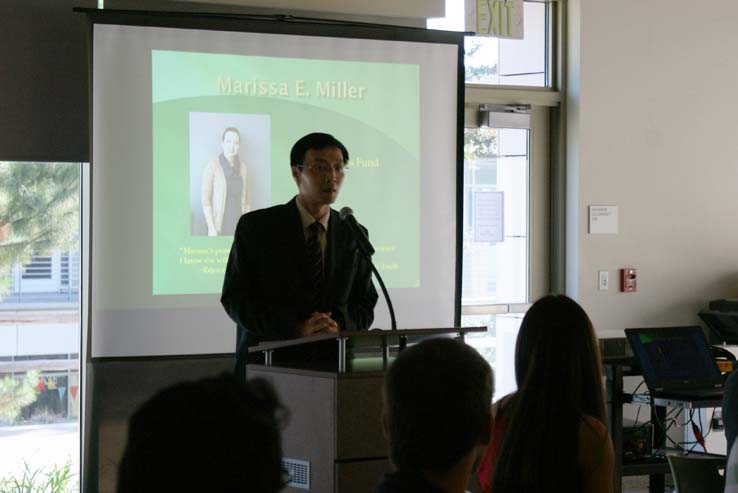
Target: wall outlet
{"type": "Point", "coordinates": [603, 280]}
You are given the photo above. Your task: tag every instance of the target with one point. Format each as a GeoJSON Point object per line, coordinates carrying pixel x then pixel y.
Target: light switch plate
{"type": "Point", "coordinates": [603, 280]}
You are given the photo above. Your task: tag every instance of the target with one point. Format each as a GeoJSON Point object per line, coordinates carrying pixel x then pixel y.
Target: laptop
{"type": "Point", "coordinates": [676, 362]}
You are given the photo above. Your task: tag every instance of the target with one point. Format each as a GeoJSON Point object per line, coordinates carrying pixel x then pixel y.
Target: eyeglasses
{"type": "Point", "coordinates": [325, 168]}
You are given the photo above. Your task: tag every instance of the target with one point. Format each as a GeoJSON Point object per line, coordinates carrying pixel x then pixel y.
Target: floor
{"type": "Point", "coordinates": [40, 446]}
{"type": "Point", "coordinates": [639, 484]}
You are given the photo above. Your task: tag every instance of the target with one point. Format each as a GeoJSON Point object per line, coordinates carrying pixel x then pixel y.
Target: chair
{"type": "Point", "coordinates": [696, 474]}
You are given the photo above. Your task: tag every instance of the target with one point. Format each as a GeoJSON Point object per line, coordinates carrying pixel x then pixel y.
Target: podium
{"type": "Point", "coordinates": [333, 439]}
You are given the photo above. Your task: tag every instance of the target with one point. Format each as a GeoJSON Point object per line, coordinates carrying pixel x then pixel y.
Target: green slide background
{"type": "Point", "coordinates": [381, 131]}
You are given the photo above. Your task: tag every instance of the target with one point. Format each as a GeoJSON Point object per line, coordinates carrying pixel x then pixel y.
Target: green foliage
{"type": "Point", "coordinates": [15, 394]}
{"type": "Point", "coordinates": [480, 143]}
{"type": "Point", "coordinates": [479, 73]}
{"type": "Point", "coordinates": [58, 480]}
{"type": "Point", "coordinates": [39, 209]}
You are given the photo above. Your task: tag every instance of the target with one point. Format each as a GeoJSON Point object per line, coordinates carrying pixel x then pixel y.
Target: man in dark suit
{"type": "Point", "coordinates": [294, 269]}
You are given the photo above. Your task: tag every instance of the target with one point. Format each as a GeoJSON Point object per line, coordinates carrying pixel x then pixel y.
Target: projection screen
{"type": "Point", "coordinates": [162, 99]}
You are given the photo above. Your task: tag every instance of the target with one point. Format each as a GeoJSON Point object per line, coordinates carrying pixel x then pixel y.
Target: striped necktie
{"type": "Point", "coordinates": [315, 261]}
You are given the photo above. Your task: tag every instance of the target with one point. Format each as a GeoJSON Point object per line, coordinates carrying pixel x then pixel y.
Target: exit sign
{"type": "Point", "coordinates": [496, 18]}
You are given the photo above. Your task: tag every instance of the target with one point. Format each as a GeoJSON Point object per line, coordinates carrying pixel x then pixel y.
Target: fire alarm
{"type": "Point", "coordinates": [627, 280]}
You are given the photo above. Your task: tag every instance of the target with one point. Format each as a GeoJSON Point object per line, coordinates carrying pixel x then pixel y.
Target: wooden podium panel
{"type": "Point", "coordinates": [359, 417]}
{"type": "Point", "coordinates": [332, 418]}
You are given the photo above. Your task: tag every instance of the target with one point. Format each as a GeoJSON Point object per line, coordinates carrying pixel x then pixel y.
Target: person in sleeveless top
{"type": "Point", "coordinates": [552, 432]}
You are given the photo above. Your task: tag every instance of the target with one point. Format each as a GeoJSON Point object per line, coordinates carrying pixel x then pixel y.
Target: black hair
{"type": "Point", "coordinates": [559, 376]}
{"type": "Point", "coordinates": [217, 434]}
{"type": "Point", "coordinates": [315, 141]}
{"type": "Point", "coordinates": [438, 397]}
{"type": "Point", "coordinates": [230, 129]}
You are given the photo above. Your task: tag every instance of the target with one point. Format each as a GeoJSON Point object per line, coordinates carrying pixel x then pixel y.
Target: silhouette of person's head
{"type": "Point", "coordinates": [217, 434]}
{"type": "Point", "coordinates": [437, 404]}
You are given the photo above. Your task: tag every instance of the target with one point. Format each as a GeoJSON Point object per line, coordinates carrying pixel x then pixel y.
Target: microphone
{"type": "Point", "coordinates": [366, 248]}
{"type": "Point", "coordinates": [347, 216]}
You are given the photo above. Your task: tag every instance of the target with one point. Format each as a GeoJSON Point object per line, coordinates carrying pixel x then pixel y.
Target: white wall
{"type": "Point", "coordinates": [652, 128]}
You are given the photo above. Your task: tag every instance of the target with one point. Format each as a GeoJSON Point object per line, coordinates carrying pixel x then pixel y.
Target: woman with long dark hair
{"type": "Point", "coordinates": [551, 434]}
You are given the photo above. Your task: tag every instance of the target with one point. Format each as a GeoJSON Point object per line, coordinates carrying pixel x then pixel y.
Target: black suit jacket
{"type": "Point", "coordinates": [267, 288]}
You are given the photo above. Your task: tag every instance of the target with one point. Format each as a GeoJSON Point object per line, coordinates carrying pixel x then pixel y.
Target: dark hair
{"type": "Point", "coordinates": [315, 141]}
{"type": "Point", "coordinates": [217, 434]}
{"type": "Point", "coordinates": [437, 397]}
{"type": "Point", "coordinates": [559, 376]}
{"type": "Point", "coordinates": [230, 129]}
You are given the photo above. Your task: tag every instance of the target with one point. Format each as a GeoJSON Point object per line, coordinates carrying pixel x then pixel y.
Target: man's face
{"type": "Point", "coordinates": [319, 187]}
{"type": "Point", "coordinates": [231, 143]}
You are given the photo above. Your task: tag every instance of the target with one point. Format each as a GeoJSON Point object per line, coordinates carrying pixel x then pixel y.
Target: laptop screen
{"type": "Point", "coordinates": [674, 356]}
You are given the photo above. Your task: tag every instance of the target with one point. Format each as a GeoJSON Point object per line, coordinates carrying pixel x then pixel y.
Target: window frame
{"type": "Point", "coordinates": [545, 140]}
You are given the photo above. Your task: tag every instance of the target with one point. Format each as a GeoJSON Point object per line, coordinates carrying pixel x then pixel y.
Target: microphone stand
{"type": "Point", "coordinates": [368, 257]}
{"type": "Point", "coordinates": [393, 321]}
{"type": "Point", "coordinates": [367, 250]}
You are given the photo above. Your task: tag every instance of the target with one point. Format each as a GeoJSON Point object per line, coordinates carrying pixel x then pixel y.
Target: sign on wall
{"type": "Point", "coordinates": [603, 219]}
{"type": "Point", "coordinates": [496, 18]}
{"type": "Point", "coordinates": [489, 213]}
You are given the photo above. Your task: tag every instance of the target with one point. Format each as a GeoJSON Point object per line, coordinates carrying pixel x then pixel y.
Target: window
{"type": "Point", "coordinates": [39, 326]}
{"type": "Point", "coordinates": [516, 62]}
{"type": "Point", "coordinates": [506, 181]}
{"type": "Point", "coordinates": [496, 261]}
{"type": "Point", "coordinates": [495, 256]}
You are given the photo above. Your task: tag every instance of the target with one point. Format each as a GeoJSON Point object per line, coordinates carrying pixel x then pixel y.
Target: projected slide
{"type": "Point", "coordinates": [223, 126]}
